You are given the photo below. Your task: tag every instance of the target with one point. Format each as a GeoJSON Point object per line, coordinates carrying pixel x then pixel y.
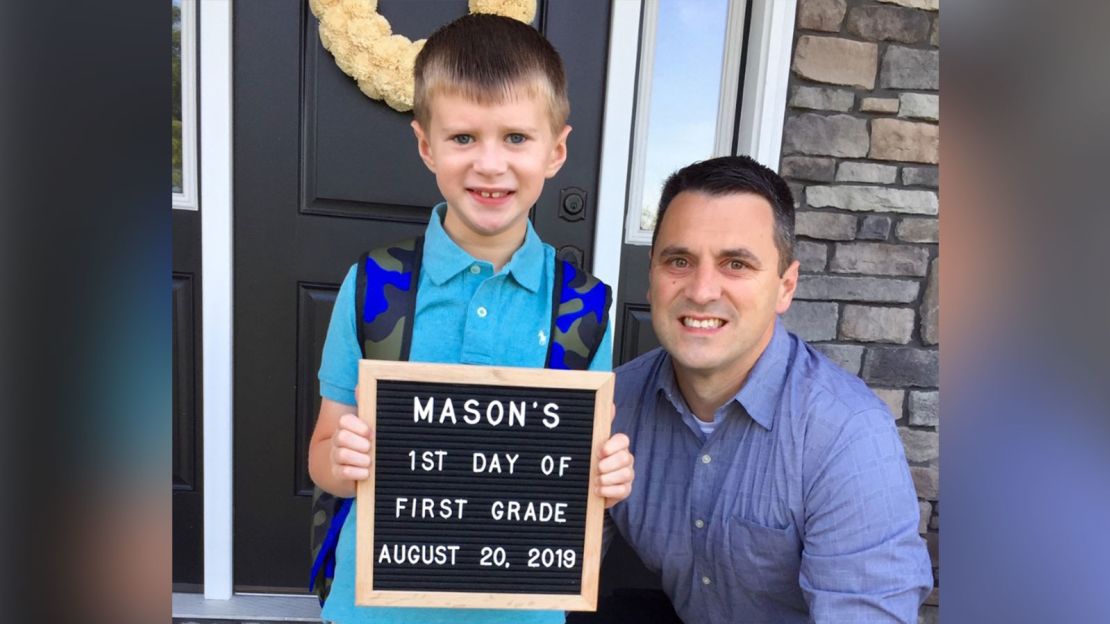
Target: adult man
{"type": "Point", "coordinates": [771, 485]}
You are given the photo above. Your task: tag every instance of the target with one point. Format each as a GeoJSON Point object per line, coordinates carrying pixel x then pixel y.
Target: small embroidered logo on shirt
{"type": "Point", "coordinates": [543, 338]}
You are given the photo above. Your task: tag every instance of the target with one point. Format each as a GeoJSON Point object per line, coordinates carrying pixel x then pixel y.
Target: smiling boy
{"type": "Point", "coordinates": [490, 122]}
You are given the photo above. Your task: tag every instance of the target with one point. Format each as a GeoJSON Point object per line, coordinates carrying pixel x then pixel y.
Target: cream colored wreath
{"type": "Point", "coordinates": [365, 48]}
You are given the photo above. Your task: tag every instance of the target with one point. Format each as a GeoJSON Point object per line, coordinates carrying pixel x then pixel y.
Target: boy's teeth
{"type": "Point", "coordinates": [701, 324]}
{"type": "Point", "coordinates": [494, 195]}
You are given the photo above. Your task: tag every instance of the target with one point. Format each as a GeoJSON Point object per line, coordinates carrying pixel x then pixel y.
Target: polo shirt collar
{"type": "Point", "coordinates": [444, 259]}
{"type": "Point", "coordinates": [761, 393]}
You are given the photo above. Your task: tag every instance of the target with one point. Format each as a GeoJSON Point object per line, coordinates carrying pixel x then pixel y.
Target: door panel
{"type": "Point", "coordinates": [188, 495]}
{"type": "Point", "coordinates": [322, 173]}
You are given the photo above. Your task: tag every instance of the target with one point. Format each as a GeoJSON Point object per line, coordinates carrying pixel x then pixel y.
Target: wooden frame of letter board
{"type": "Point", "coordinates": [371, 371]}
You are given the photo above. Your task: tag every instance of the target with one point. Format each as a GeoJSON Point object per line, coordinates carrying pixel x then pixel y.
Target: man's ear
{"type": "Point", "coordinates": [423, 147]}
{"type": "Point", "coordinates": [558, 153]}
{"type": "Point", "coordinates": [788, 283]}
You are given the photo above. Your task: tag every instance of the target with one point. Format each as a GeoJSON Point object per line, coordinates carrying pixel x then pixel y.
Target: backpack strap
{"type": "Point", "coordinates": [579, 316]}
{"type": "Point", "coordinates": [385, 299]}
{"type": "Point", "coordinates": [385, 306]}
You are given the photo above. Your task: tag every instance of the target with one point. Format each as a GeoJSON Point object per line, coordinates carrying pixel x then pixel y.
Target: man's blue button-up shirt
{"type": "Point", "coordinates": [798, 507]}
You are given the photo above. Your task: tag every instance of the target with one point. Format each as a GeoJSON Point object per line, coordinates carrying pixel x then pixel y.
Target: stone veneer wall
{"type": "Point", "coordinates": [860, 151]}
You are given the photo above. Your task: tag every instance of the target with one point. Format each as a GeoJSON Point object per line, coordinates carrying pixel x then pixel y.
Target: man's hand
{"type": "Point", "coordinates": [350, 449]}
{"type": "Point", "coordinates": [615, 468]}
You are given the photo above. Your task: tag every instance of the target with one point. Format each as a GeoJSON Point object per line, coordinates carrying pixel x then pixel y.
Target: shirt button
{"type": "Point", "coordinates": [705, 459]}
{"type": "Point", "coordinates": [481, 311]}
{"type": "Point", "coordinates": [699, 523]}
{"type": "Point", "coordinates": [705, 580]}
{"type": "Point", "coordinates": [475, 269]}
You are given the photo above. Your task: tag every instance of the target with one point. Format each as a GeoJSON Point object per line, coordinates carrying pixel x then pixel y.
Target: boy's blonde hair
{"type": "Point", "coordinates": [489, 59]}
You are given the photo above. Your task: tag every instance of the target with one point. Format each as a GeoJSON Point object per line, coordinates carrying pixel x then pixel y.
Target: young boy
{"type": "Point", "coordinates": [490, 122]}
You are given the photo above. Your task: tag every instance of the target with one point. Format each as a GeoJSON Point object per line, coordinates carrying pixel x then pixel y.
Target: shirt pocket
{"type": "Point", "coordinates": [764, 559]}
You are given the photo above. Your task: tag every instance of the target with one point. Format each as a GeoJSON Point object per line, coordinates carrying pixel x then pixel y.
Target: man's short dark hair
{"type": "Point", "coordinates": [730, 175]}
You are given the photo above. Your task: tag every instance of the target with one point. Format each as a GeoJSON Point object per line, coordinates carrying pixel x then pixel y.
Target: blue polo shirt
{"type": "Point", "coordinates": [465, 314]}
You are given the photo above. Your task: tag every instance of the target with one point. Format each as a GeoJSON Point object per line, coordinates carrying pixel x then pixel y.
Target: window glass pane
{"type": "Point", "coordinates": [175, 64]}
{"type": "Point", "coordinates": [684, 92]}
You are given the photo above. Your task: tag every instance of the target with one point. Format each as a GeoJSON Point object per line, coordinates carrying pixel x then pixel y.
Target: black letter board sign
{"type": "Point", "coordinates": [479, 495]}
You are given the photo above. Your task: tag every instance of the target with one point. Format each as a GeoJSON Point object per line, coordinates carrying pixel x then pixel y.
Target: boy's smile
{"type": "Point", "coordinates": [490, 162]}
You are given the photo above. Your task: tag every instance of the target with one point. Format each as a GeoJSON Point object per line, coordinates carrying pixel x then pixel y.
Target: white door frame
{"type": "Point", "coordinates": [216, 292]}
{"type": "Point", "coordinates": [760, 135]}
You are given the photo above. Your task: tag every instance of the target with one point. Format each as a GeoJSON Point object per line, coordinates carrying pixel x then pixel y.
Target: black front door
{"type": "Point", "coordinates": [323, 173]}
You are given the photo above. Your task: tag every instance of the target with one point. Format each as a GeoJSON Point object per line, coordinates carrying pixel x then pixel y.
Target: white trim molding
{"type": "Point", "coordinates": [616, 137]}
{"type": "Point", "coordinates": [187, 198]}
{"type": "Point", "coordinates": [216, 293]}
{"type": "Point", "coordinates": [763, 109]}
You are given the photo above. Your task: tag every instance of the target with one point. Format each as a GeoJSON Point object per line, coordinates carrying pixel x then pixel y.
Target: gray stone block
{"type": "Point", "coordinates": [876, 324]}
{"type": "Point", "coordinates": [825, 225]}
{"type": "Point", "coordinates": [873, 199]}
{"type": "Point", "coordinates": [921, 446]}
{"type": "Point", "coordinates": [887, 23]}
{"type": "Point", "coordinates": [879, 259]}
{"type": "Point", "coordinates": [901, 366]}
{"type": "Point", "coordinates": [918, 230]}
{"type": "Point", "coordinates": [924, 408]}
{"type": "Point", "coordinates": [821, 14]}
{"type": "Point", "coordinates": [926, 481]}
{"type": "Point", "coordinates": [808, 168]}
{"type": "Point", "coordinates": [812, 320]}
{"type": "Point", "coordinates": [833, 60]}
{"type": "Point", "coordinates": [843, 288]}
{"type": "Point", "coordinates": [821, 135]}
{"type": "Point", "coordinates": [820, 98]}
{"type": "Point", "coordinates": [874, 173]}
{"type": "Point", "coordinates": [897, 139]}
{"type": "Point", "coordinates": [921, 176]}
{"type": "Point", "coordinates": [813, 257]}
{"type": "Point", "coordinates": [919, 105]}
{"type": "Point", "coordinates": [926, 510]}
{"type": "Point", "coordinates": [930, 306]}
{"type": "Point", "coordinates": [910, 68]}
{"type": "Point", "coordinates": [935, 37]}
{"type": "Point", "coordinates": [874, 227]}
{"type": "Point", "coordinates": [847, 357]}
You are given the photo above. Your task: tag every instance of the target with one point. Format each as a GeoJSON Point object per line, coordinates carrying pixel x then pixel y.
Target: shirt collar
{"type": "Point", "coordinates": [761, 393]}
{"type": "Point", "coordinates": [444, 259]}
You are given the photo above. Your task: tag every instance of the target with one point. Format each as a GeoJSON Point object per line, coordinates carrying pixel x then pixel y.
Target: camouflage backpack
{"type": "Point", "coordinates": [385, 301]}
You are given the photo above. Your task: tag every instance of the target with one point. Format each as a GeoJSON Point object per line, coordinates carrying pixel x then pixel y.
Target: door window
{"type": "Point", "coordinates": [685, 99]}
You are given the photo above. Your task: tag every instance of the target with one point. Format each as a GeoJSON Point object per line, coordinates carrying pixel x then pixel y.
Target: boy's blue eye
{"type": "Point", "coordinates": [462, 139]}
{"type": "Point", "coordinates": [516, 138]}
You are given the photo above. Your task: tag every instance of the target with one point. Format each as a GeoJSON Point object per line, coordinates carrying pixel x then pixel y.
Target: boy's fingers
{"type": "Point", "coordinates": [347, 457]}
{"type": "Point", "coordinates": [349, 439]}
{"type": "Point", "coordinates": [353, 473]}
{"type": "Point", "coordinates": [624, 475]}
{"type": "Point", "coordinates": [616, 461]}
{"type": "Point", "coordinates": [614, 444]}
{"type": "Point", "coordinates": [355, 424]}
{"type": "Point", "coordinates": [614, 494]}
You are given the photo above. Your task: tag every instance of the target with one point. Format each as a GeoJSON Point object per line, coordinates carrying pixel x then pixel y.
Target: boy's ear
{"type": "Point", "coordinates": [558, 152]}
{"type": "Point", "coordinates": [423, 147]}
